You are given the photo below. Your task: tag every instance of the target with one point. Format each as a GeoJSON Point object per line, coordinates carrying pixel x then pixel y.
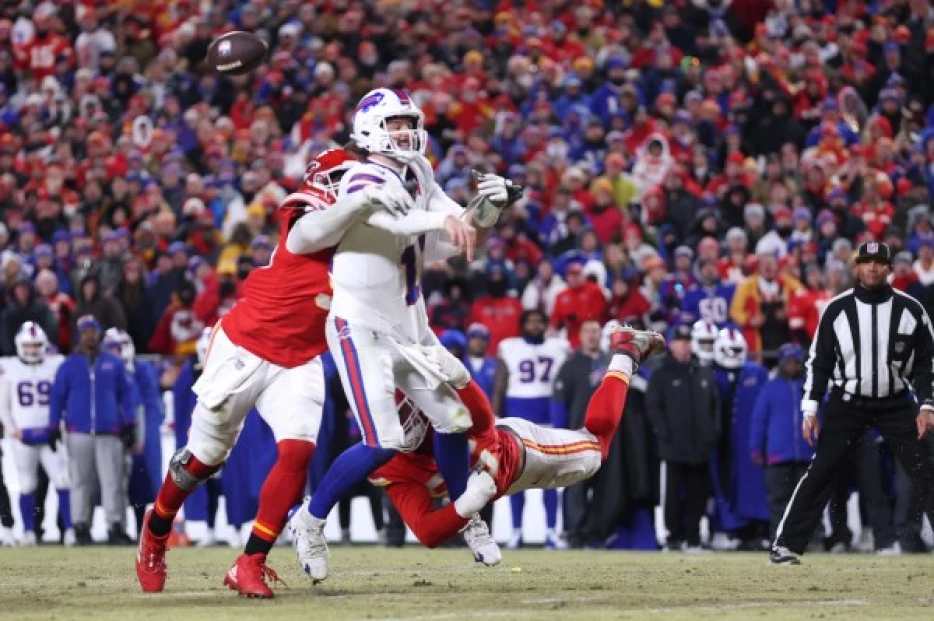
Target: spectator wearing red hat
{"type": "Point", "coordinates": [581, 301]}
{"type": "Point", "coordinates": [760, 306]}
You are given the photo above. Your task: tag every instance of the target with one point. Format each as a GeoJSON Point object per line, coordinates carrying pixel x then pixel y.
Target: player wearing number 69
{"type": "Point", "coordinates": [25, 384]}
{"type": "Point", "coordinates": [525, 377]}
{"type": "Point", "coordinates": [93, 396]}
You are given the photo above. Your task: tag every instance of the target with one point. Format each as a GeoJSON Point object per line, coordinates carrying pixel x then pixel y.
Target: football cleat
{"type": "Point", "coordinates": [478, 539]}
{"type": "Point", "coordinates": [69, 539]}
{"type": "Point", "coordinates": [151, 570]}
{"type": "Point", "coordinates": [29, 539]}
{"type": "Point", "coordinates": [780, 555]}
{"type": "Point", "coordinates": [6, 537]}
{"type": "Point", "coordinates": [248, 576]}
{"type": "Point", "coordinates": [553, 541]}
{"type": "Point", "coordinates": [208, 540]}
{"type": "Point", "coordinates": [309, 542]}
{"type": "Point", "coordinates": [515, 541]}
{"type": "Point", "coordinates": [637, 344]}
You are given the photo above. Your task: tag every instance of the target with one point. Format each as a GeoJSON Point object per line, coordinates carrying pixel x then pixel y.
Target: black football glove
{"type": "Point", "coordinates": [55, 437]}
{"type": "Point", "coordinates": [128, 436]}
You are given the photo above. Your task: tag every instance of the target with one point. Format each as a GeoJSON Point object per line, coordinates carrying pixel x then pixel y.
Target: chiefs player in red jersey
{"type": "Point", "coordinates": [517, 454]}
{"type": "Point", "coordinates": [264, 353]}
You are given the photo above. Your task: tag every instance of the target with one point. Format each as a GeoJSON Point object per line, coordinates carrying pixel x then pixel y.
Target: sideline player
{"type": "Point", "coordinates": [25, 385]}
{"type": "Point", "coordinates": [524, 385]}
{"type": "Point", "coordinates": [264, 352]}
{"type": "Point", "coordinates": [516, 453]}
{"type": "Point", "coordinates": [378, 320]}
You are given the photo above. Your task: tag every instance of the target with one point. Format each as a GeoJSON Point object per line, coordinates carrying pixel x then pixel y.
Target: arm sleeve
{"type": "Point", "coordinates": [442, 203]}
{"type": "Point", "coordinates": [923, 369]}
{"type": "Point", "coordinates": [58, 396]}
{"type": "Point", "coordinates": [431, 526]}
{"type": "Point", "coordinates": [820, 362]}
{"type": "Point", "coordinates": [480, 409]}
{"type": "Point", "coordinates": [320, 228]}
{"type": "Point", "coordinates": [757, 426]}
{"type": "Point", "coordinates": [412, 223]}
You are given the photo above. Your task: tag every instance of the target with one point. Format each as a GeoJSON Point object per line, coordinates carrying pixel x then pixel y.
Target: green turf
{"type": "Point", "coordinates": [413, 583]}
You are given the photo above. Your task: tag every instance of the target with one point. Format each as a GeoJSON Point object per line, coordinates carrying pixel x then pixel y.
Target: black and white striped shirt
{"type": "Point", "coordinates": [871, 344]}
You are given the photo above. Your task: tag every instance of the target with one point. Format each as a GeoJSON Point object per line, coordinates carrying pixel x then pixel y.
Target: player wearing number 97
{"type": "Point", "coordinates": [25, 384]}
{"type": "Point", "coordinates": [525, 377]}
{"type": "Point", "coordinates": [396, 218]}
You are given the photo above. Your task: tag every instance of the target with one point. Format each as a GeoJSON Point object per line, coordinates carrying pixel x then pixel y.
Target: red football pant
{"type": "Point", "coordinates": [283, 488]}
{"type": "Point", "coordinates": [605, 409]}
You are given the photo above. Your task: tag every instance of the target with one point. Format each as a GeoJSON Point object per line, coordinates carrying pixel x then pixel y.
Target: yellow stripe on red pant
{"type": "Point", "coordinates": [562, 449]}
{"type": "Point", "coordinates": [265, 530]}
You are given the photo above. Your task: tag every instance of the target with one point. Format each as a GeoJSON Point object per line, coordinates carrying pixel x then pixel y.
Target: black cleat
{"type": "Point", "coordinates": [781, 555]}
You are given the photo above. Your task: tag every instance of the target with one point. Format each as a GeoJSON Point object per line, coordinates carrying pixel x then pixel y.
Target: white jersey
{"type": "Point", "coordinates": [376, 274]}
{"type": "Point", "coordinates": [25, 390]}
{"type": "Point", "coordinates": [532, 371]}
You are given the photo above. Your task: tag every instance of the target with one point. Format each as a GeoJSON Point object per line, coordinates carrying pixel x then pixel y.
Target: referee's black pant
{"type": "Point", "coordinates": [843, 425]}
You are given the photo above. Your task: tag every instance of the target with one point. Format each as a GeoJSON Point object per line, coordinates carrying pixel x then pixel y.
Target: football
{"type": "Point", "coordinates": [237, 53]}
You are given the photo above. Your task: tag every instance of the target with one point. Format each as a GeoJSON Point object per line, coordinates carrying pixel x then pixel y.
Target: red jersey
{"type": "Point", "coordinates": [413, 481]}
{"type": "Point", "coordinates": [500, 315]}
{"type": "Point", "coordinates": [37, 57]}
{"type": "Point", "coordinates": [281, 316]}
{"type": "Point", "coordinates": [575, 306]}
{"type": "Point", "coordinates": [805, 310]}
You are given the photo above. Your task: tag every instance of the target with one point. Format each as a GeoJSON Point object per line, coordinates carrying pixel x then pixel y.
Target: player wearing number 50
{"type": "Point", "coordinates": [25, 384]}
{"type": "Point", "coordinates": [92, 395]}
{"type": "Point", "coordinates": [525, 378]}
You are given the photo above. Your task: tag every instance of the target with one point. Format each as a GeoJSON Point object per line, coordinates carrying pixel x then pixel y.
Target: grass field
{"type": "Point", "coordinates": [413, 583]}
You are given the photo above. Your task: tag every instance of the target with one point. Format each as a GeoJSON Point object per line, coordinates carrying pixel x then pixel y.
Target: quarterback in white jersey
{"type": "Point", "coordinates": [25, 385]}
{"type": "Point", "coordinates": [377, 323]}
{"type": "Point", "coordinates": [525, 377]}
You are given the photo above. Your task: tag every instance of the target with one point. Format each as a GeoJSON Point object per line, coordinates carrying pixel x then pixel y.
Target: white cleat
{"type": "Point", "coordinates": [515, 540]}
{"type": "Point", "coordinates": [893, 550]}
{"type": "Point", "coordinates": [553, 541]}
{"type": "Point", "coordinates": [70, 538]}
{"type": "Point", "coordinates": [6, 537]}
{"type": "Point", "coordinates": [310, 545]}
{"type": "Point", "coordinates": [29, 539]}
{"type": "Point", "coordinates": [208, 540]}
{"type": "Point", "coordinates": [478, 539]}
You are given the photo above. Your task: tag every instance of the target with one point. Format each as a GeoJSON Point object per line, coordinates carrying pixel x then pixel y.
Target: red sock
{"type": "Point", "coordinates": [605, 410]}
{"type": "Point", "coordinates": [473, 397]}
{"type": "Point", "coordinates": [171, 496]}
{"type": "Point", "coordinates": [283, 488]}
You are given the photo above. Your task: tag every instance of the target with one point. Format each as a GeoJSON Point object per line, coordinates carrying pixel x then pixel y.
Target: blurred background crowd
{"type": "Point", "coordinates": [696, 159]}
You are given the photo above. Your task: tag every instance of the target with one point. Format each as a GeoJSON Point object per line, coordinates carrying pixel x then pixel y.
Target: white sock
{"type": "Point", "coordinates": [621, 364]}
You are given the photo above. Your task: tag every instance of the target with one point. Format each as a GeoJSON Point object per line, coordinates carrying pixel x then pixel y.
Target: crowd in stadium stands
{"type": "Point", "coordinates": [696, 159]}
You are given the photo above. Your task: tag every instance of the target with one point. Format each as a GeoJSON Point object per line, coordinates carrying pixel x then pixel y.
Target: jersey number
{"type": "Point", "coordinates": [409, 260]}
{"type": "Point", "coordinates": [529, 371]}
{"type": "Point", "coordinates": [713, 310]}
{"type": "Point", "coordinates": [29, 393]}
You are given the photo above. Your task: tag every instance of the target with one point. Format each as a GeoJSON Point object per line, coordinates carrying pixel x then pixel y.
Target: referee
{"type": "Point", "coordinates": [871, 340]}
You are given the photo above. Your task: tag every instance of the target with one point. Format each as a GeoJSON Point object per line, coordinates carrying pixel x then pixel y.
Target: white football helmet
{"type": "Point", "coordinates": [730, 349]}
{"type": "Point", "coordinates": [31, 343]}
{"type": "Point", "coordinates": [119, 343]}
{"type": "Point", "coordinates": [202, 345]}
{"type": "Point", "coordinates": [703, 336]}
{"type": "Point", "coordinates": [370, 124]}
{"type": "Point", "coordinates": [414, 423]}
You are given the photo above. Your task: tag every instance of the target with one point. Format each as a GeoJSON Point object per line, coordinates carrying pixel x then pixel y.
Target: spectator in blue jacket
{"type": "Point", "coordinates": [481, 366]}
{"type": "Point", "coordinates": [146, 472]}
{"type": "Point", "coordinates": [93, 395]}
{"type": "Point", "coordinates": [775, 434]}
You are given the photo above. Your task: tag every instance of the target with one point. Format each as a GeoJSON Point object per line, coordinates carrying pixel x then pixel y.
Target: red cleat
{"type": "Point", "coordinates": [150, 559]}
{"type": "Point", "coordinates": [637, 344]}
{"type": "Point", "coordinates": [248, 576]}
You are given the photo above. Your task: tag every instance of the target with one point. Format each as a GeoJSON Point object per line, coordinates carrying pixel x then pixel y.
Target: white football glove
{"type": "Point", "coordinates": [390, 198]}
{"type": "Point", "coordinates": [480, 490]}
{"type": "Point", "coordinates": [451, 370]}
{"type": "Point", "coordinates": [492, 187]}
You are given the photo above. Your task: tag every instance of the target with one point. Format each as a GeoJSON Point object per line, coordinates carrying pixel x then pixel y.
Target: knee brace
{"type": "Point", "coordinates": [187, 472]}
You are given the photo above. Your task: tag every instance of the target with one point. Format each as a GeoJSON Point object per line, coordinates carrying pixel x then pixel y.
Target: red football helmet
{"type": "Point", "coordinates": [325, 171]}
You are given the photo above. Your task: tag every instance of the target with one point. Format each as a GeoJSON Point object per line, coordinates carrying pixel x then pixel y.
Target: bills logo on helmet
{"type": "Point", "coordinates": [872, 248]}
{"type": "Point", "coordinates": [369, 102]}
{"type": "Point", "coordinates": [403, 96]}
